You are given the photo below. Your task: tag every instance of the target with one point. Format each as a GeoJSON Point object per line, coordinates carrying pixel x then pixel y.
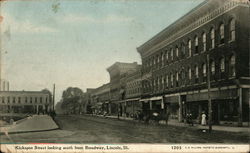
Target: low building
{"type": "Point", "coordinates": [25, 102]}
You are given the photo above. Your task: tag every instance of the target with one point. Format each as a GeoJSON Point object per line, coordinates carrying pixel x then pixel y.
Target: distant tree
{"type": "Point", "coordinates": [71, 99]}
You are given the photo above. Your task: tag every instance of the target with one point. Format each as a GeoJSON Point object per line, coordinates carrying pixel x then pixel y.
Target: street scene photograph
{"type": "Point", "coordinates": [112, 72]}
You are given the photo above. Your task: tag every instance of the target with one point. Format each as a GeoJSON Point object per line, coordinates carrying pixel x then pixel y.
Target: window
{"type": "Point", "coordinates": [232, 30]}
{"type": "Point", "coordinates": [177, 79]}
{"type": "Point", "coordinates": [41, 99]}
{"type": "Point", "coordinates": [35, 99]}
{"type": "Point", "coordinates": [196, 43]}
{"type": "Point", "coordinates": [167, 55]}
{"type": "Point", "coordinates": [213, 67]}
{"type": "Point", "coordinates": [172, 54]}
{"type": "Point", "coordinates": [189, 48]}
{"type": "Point", "coordinates": [222, 64]}
{"type": "Point", "coordinates": [222, 33]}
{"type": "Point", "coordinates": [177, 52]}
{"type": "Point", "coordinates": [212, 38]}
{"type": "Point", "coordinates": [204, 41]}
{"type": "Point", "coordinates": [167, 81]}
{"type": "Point", "coordinates": [19, 99]}
{"type": "Point", "coordinates": [172, 80]}
{"type": "Point", "coordinates": [162, 57]}
{"type": "Point", "coordinates": [14, 99]}
{"type": "Point", "coordinates": [8, 99]}
{"type": "Point", "coordinates": [183, 49]}
{"type": "Point", "coordinates": [30, 99]}
{"type": "Point", "coordinates": [189, 73]}
{"type": "Point", "coordinates": [204, 69]}
{"type": "Point", "coordinates": [232, 65]}
{"type": "Point", "coordinates": [196, 71]}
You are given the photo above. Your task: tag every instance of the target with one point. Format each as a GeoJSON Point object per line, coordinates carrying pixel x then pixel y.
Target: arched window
{"type": "Point", "coordinates": [212, 67]}
{"type": "Point", "coordinates": [196, 71]}
{"type": "Point", "coordinates": [172, 79]}
{"type": "Point", "coordinates": [177, 51]}
{"type": "Point", "coordinates": [204, 70]}
{"type": "Point", "coordinates": [189, 48]}
{"type": "Point", "coordinates": [222, 64]}
{"type": "Point", "coordinates": [172, 54]}
{"type": "Point", "coordinates": [189, 73]}
{"type": "Point", "coordinates": [183, 52]}
{"type": "Point", "coordinates": [162, 57]}
{"type": "Point", "coordinates": [222, 33]}
{"type": "Point", "coordinates": [177, 79]}
{"type": "Point", "coordinates": [232, 30]}
{"type": "Point", "coordinates": [204, 41]}
{"type": "Point", "coordinates": [166, 80]}
{"type": "Point", "coordinates": [212, 35]}
{"type": "Point", "coordinates": [196, 44]}
{"type": "Point", "coordinates": [232, 65]}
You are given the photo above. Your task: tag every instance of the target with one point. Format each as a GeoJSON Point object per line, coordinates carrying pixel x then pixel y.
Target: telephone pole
{"type": "Point", "coordinates": [209, 96]}
{"type": "Point", "coordinates": [54, 88]}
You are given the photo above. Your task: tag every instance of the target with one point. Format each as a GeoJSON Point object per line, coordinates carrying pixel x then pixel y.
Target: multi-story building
{"type": "Point", "coordinates": [100, 98]}
{"type": "Point", "coordinates": [212, 40]}
{"type": "Point", "coordinates": [117, 72]}
{"type": "Point", "coordinates": [132, 93]}
{"type": "Point", "coordinates": [4, 85]}
{"type": "Point", "coordinates": [25, 102]}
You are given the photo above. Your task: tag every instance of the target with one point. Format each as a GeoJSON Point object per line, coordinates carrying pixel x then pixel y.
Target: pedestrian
{"type": "Point", "coordinates": [203, 119]}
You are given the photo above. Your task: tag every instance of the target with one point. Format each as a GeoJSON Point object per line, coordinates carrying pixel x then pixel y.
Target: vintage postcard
{"type": "Point", "coordinates": [124, 76]}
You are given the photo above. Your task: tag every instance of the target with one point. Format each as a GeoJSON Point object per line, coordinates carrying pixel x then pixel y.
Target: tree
{"type": "Point", "coordinates": [71, 100]}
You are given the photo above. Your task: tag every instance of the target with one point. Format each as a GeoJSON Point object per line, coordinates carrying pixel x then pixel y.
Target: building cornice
{"type": "Point", "coordinates": [156, 44]}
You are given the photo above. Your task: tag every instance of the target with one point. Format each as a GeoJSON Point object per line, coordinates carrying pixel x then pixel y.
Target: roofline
{"type": "Point", "coordinates": [171, 25]}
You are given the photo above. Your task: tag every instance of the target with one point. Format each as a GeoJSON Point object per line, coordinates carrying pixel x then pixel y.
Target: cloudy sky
{"type": "Point", "coordinates": [72, 42]}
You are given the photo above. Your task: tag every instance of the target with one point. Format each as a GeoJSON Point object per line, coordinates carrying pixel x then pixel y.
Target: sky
{"type": "Point", "coordinates": [72, 42]}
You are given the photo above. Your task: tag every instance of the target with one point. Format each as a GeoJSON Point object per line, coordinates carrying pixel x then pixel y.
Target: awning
{"type": "Point", "coordinates": [134, 99]}
{"type": "Point", "coordinates": [156, 98]}
{"type": "Point", "coordinates": [146, 99]}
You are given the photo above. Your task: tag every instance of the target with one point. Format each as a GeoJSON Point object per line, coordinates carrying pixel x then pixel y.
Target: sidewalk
{"type": "Point", "coordinates": [177, 123]}
{"type": "Point", "coordinates": [31, 124]}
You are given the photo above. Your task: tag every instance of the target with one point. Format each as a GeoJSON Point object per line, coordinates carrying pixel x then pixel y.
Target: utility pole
{"type": "Point", "coordinates": [209, 97]}
{"type": "Point", "coordinates": [54, 88]}
{"type": "Point", "coordinates": [1, 62]}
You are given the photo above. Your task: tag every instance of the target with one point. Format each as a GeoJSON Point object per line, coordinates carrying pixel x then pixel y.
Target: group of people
{"type": "Point", "coordinates": [189, 119]}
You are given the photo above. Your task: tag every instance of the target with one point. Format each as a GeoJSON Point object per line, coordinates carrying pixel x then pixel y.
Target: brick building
{"type": "Point", "coordinates": [25, 102]}
{"type": "Point", "coordinates": [100, 99]}
{"type": "Point", "coordinates": [118, 71]}
{"type": "Point", "coordinates": [132, 93]}
{"type": "Point", "coordinates": [212, 39]}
